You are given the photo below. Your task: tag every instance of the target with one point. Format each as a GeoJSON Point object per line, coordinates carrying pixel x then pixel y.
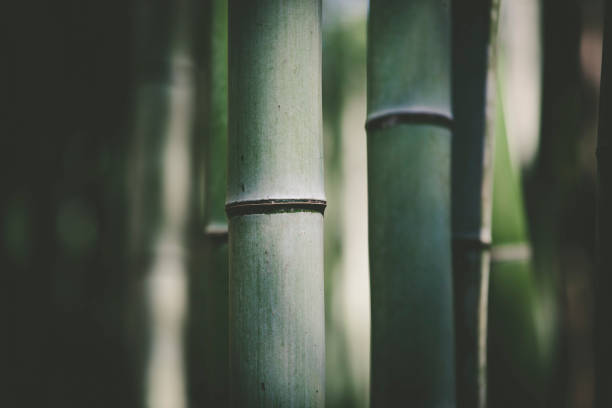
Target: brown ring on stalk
{"type": "Point", "coordinates": [389, 118]}
{"type": "Point", "coordinates": [274, 206]}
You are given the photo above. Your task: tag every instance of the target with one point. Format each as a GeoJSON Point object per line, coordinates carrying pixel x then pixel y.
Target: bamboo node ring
{"type": "Point", "coordinates": [388, 118]}
{"type": "Point", "coordinates": [274, 206]}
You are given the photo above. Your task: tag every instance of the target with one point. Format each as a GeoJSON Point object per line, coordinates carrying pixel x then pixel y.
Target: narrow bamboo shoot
{"type": "Point", "coordinates": [603, 319]}
{"type": "Point", "coordinates": [474, 58]}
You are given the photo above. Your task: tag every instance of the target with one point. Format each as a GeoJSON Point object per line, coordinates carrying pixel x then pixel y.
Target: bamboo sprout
{"type": "Point", "coordinates": [474, 59]}
{"type": "Point", "coordinates": [603, 320]}
{"type": "Point", "coordinates": [409, 148]}
{"type": "Point", "coordinates": [275, 203]}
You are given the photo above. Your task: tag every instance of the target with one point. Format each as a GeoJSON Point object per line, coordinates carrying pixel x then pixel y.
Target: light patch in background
{"type": "Point", "coordinates": [520, 68]}
{"type": "Point", "coordinates": [348, 297]}
{"type": "Point", "coordinates": [343, 11]}
{"type": "Point", "coordinates": [166, 289]}
{"type": "Point", "coordinates": [591, 43]}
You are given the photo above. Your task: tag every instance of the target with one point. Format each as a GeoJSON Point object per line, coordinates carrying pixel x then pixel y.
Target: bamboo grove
{"type": "Point", "coordinates": [200, 245]}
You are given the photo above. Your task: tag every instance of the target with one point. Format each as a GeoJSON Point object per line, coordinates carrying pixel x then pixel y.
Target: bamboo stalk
{"type": "Point", "coordinates": [215, 219]}
{"type": "Point", "coordinates": [207, 347]}
{"type": "Point", "coordinates": [275, 202]}
{"type": "Point", "coordinates": [159, 200]}
{"type": "Point", "coordinates": [474, 60]}
{"type": "Point", "coordinates": [409, 151]}
{"type": "Point", "coordinates": [603, 320]}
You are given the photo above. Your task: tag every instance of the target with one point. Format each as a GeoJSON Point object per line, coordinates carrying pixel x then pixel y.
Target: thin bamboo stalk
{"type": "Point", "coordinates": [215, 219]}
{"type": "Point", "coordinates": [409, 151]}
{"type": "Point", "coordinates": [159, 199]}
{"type": "Point", "coordinates": [207, 347]}
{"type": "Point", "coordinates": [474, 60]}
{"type": "Point", "coordinates": [603, 319]}
{"type": "Point", "coordinates": [275, 203]}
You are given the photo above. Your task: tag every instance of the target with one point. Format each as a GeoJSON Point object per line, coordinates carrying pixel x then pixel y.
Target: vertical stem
{"type": "Point", "coordinates": [409, 151]}
{"type": "Point", "coordinates": [474, 58]}
{"type": "Point", "coordinates": [216, 229]}
{"type": "Point", "coordinates": [159, 199]}
{"type": "Point", "coordinates": [275, 204]}
{"type": "Point", "coordinates": [603, 319]}
{"type": "Point", "coordinates": [208, 354]}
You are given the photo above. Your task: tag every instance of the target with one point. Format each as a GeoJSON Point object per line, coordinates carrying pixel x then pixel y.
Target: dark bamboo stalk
{"type": "Point", "coordinates": [215, 220]}
{"type": "Point", "coordinates": [603, 305]}
{"type": "Point", "coordinates": [474, 59]}
{"type": "Point", "coordinates": [409, 152]}
{"type": "Point", "coordinates": [207, 346]}
{"type": "Point", "coordinates": [275, 203]}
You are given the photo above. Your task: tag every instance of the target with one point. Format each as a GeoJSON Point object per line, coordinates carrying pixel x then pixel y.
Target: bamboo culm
{"type": "Point", "coordinates": [159, 196]}
{"type": "Point", "coordinates": [474, 60]}
{"type": "Point", "coordinates": [275, 203]}
{"type": "Point", "coordinates": [603, 320]}
{"type": "Point", "coordinates": [207, 346]}
{"type": "Point", "coordinates": [409, 153]}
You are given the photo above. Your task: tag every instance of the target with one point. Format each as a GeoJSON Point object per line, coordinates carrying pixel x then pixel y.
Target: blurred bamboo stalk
{"type": "Point", "coordinates": [275, 203]}
{"type": "Point", "coordinates": [603, 305]}
{"type": "Point", "coordinates": [159, 199]}
{"type": "Point", "coordinates": [475, 25]}
{"type": "Point", "coordinates": [409, 154]}
{"type": "Point", "coordinates": [208, 336]}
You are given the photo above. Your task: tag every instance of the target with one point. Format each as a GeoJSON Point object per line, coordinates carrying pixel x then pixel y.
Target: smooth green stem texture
{"type": "Point", "coordinates": [208, 354]}
{"type": "Point", "coordinates": [514, 360]}
{"type": "Point", "coordinates": [409, 148]}
{"type": "Point", "coordinates": [474, 58]}
{"type": "Point", "coordinates": [603, 318]}
{"type": "Point", "coordinates": [277, 341]}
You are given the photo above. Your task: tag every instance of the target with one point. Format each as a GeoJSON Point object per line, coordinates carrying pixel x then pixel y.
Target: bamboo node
{"type": "Point", "coordinates": [269, 206]}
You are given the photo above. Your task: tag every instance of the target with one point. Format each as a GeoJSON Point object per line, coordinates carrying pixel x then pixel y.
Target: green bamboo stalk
{"type": "Point", "coordinates": [275, 202]}
{"type": "Point", "coordinates": [409, 152]}
{"type": "Point", "coordinates": [603, 320]}
{"type": "Point", "coordinates": [338, 390]}
{"type": "Point", "coordinates": [474, 59]}
{"type": "Point", "coordinates": [159, 199]}
{"type": "Point", "coordinates": [215, 219]}
{"type": "Point", "coordinates": [207, 347]}
{"type": "Point", "coordinates": [514, 358]}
